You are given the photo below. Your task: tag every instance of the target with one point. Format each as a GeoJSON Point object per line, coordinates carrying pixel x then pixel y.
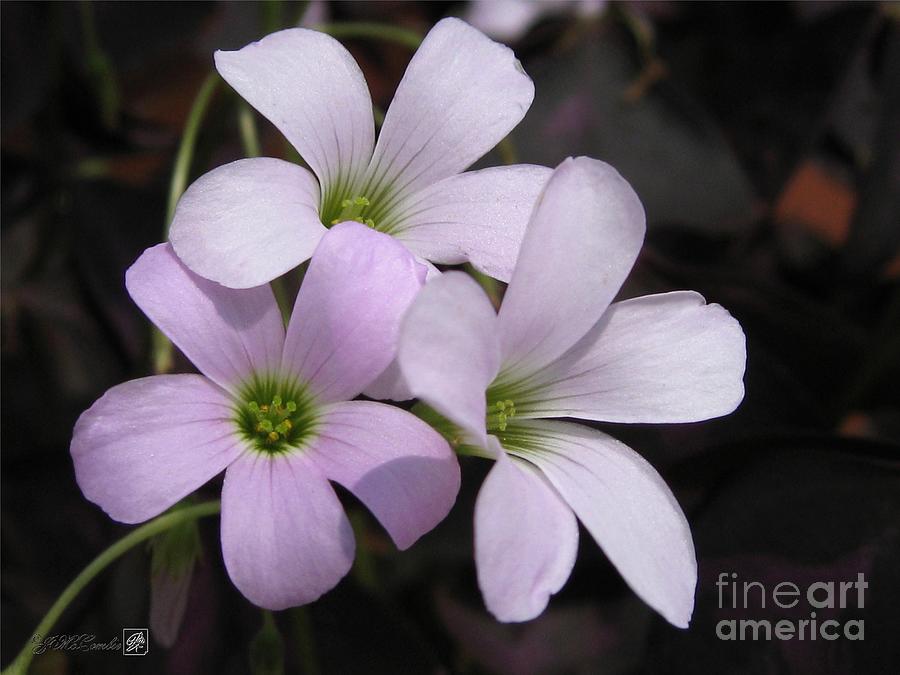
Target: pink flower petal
{"type": "Point", "coordinates": [245, 223]}
{"type": "Point", "coordinates": [308, 85]}
{"type": "Point", "coordinates": [582, 240]}
{"type": "Point", "coordinates": [396, 464]}
{"type": "Point", "coordinates": [390, 385]}
{"type": "Point", "coordinates": [659, 358]}
{"type": "Point", "coordinates": [147, 443]}
{"type": "Point", "coordinates": [344, 329]}
{"type": "Point", "coordinates": [461, 95]}
{"type": "Point", "coordinates": [449, 352]}
{"type": "Point", "coordinates": [508, 20]}
{"type": "Point", "coordinates": [228, 334]}
{"type": "Point", "coordinates": [477, 216]}
{"type": "Point", "coordinates": [526, 539]}
{"type": "Point", "coordinates": [285, 537]}
{"type": "Point", "coordinates": [626, 506]}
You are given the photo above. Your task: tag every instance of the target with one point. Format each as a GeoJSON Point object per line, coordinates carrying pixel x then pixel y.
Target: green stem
{"type": "Point", "coordinates": [379, 31]}
{"type": "Point", "coordinates": [101, 562]}
{"type": "Point", "coordinates": [188, 142]}
{"type": "Point", "coordinates": [161, 347]}
{"type": "Point", "coordinates": [304, 640]}
{"type": "Point", "coordinates": [267, 648]}
{"type": "Point", "coordinates": [271, 12]}
{"type": "Point", "coordinates": [247, 127]}
{"type": "Point", "coordinates": [364, 570]}
{"type": "Point", "coordinates": [100, 70]}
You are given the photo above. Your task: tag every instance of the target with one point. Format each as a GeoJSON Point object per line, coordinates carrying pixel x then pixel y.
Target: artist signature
{"type": "Point", "coordinates": [83, 642]}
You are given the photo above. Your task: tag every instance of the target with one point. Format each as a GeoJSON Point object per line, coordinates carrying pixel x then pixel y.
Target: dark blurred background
{"type": "Point", "coordinates": [764, 141]}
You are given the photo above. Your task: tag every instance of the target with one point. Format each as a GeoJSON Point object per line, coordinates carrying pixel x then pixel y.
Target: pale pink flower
{"type": "Point", "coordinates": [558, 348]}
{"type": "Point", "coordinates": [245, 223]}
{"type": "Point", "coordinates": [272, 408]}
{"type": "Point", "coordinates": [508, 20]}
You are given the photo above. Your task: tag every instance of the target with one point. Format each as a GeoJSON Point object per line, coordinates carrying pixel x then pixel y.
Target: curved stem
{"type": "Point", "coordinates": [161, 347]}
{"type": "Point", "coordinates": [188, 142]}
{"type": "Point", "coordinates": [126, 543]}
{"type": "Point", "coordinates": [379, 31]}
{"type": "Point", "coordinates": [247, 128]}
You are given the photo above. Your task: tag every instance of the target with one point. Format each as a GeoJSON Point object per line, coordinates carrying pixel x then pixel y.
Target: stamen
{"type": "Point", "coordinates": [499, 413]}
{"type": "Point", "coordinates": [354, 209]}
{"type": "Point", "coordinates": [279, 424]}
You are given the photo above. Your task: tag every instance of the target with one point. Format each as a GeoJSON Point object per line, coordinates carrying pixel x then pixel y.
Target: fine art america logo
{"type": "Point", "coordinates": [818, 603]}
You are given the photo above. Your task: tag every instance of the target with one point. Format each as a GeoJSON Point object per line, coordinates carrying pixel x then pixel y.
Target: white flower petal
{"type": "Point", "coordinates": [509, 19]}
{"type": "Point", "coordinates": [583, 238]}
{"type": "Point", "coordinates": [659, 358]}
{"type": "Point", "coordinates": [461, 95]}
{"type": "Point", "coordinates": [477, 216]}
{"type": "Point", "coordinates": [248, 222]}
{"type": "Point", "coordinates": [526, 539]}
{"type": "Point", "coordinates": [310, 87]}
{"type": "Point", "coordinates": [625, 505]}
{"type": "Point", "coordinates": [448, 351]}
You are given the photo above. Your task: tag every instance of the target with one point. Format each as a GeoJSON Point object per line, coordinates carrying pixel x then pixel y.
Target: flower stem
{"type": "Point", "coordinates": [247, 126]}
{"type": "Point", "coordinates": [378, 31]}
{"type": "Point", "coordinates": [100, 69]}
{"type": "Point", "coordinates": [161, 347]}
{"type": "Point", "coordinates": [364, 565]}
{"type": "Point", "coordinates": [188, 143]}
{"type": "Point", "coordinates": [101, 562]}
{"type": "Point", "coordinates": [304, 640]}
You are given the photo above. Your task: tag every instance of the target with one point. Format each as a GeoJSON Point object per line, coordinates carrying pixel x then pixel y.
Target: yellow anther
{"type": "Point", "coordinates": [273, 436]}
{"type": "Point", "coordinates": [499, 414]}
{"type": "Point", "coordinates": [352, 209]}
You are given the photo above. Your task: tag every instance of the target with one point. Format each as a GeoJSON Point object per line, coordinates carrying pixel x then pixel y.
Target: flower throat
{"type": "Point", "coordinates": [275, 417]}
{"type": "Point", "coordinates": [354, 209]}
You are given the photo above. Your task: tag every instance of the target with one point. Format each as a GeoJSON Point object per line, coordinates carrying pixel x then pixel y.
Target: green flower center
{"type": "Point", "coordinates": [354, 209]}
{"type": "Point", "coordinates": [499, 413]}
{"type": "Point", "coordinates": [276, 417]}
{"type": "Point", "coordinates": [374, 204]}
